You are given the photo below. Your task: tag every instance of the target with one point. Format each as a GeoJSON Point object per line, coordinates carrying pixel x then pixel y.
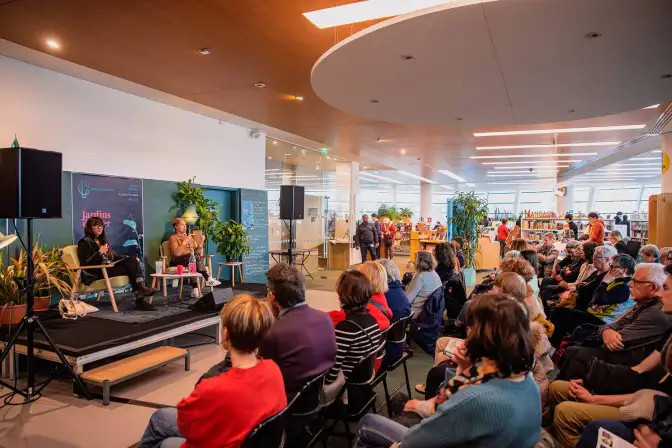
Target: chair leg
{"type": "Point", "coordinates": [408, 383]}
{"type": "Point", "coordinates": [75, 286]}
{"type": "Point", "coordinates": [233, 276]}
{"type": "Point", "coordinates": [109, 290]}
{"type": "Point", "coordinates": [219, 270]}
{"type": "Point", "coordinates": [179, 296]}
{"type": "Point", "coordinates": [240, 272]}
{"type": "Point", "coordinates": [387, 394]}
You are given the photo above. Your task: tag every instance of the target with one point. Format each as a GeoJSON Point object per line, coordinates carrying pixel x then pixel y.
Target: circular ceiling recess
{"type": "Point", "coordinates": [503, 62]}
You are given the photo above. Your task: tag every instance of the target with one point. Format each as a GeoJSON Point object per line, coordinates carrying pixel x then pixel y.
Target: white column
{"type": "Point", "coordinates": [426, 193]}
{"type": "Point", "coordinates": [591, 200]}
{"type": "Point", "coordinates": [516, 203]}
{"type": "Point", "coordinates": [566, 202]}
{"type": "Point", "coordinates": [666, 177]}
{"type": "Point", "coordinates": [394, 195]}
{"type": "Point", "coordinates": [347, 179]}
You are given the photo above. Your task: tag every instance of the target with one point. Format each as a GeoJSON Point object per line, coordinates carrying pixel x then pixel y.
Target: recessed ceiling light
{"type": "Point", "coordinates": [269, 157]}
{"type": "Point", "coordinates": [402, 151]}
{"type": "Point", "coordinates": [469, 184]}
{"type": "Point", "coordinates": [540, 181]}
{"type": "Point", "coordinates": [560, 131]}
{"type": "Point", "coordinates": [534, 162]}
{"type": "Point", "coordinates": [537, 167]}
{"type": "Point", "coordinates": [288, 153]}
{"type": "Point", "coordinates": [381, 177]}
{"type": "Point", "coordinates": [593, 35]}
{"type": "Point", "coordinates": [657, 151]}
{"type": "Point", "coordinates": [205, 51]}
{"type": "Point", "coordinates": [275, 142]}
{"type": "Point", "coordinates": [298, 98]}
{"type": "Point", "coordinates": [530, 171]}
{"type": "Point", "coordinates": [651, 107]}
{"type": "Point", "coordinates": [562, 145]}
{"type": "Point", "coordinates": [53, 44]}
{"type": "Point", "coordinates": [646, 158]}
{"type": "Point", "coordinates": [407, 57]}
{"type": "Point", "coordinates": [406, 173]}
{"type": "Point", "coordinates": [452, 175]}
{"type": "Point", "coordinates": [373, 101]}
{"type": "Point", "coordinates": [637, 164]}
{"type": "Point", "coordinates": [522, 156]}
{"type": "Point", "coordinates": [447, 187]}
{"type": "Point", "coordinates": [260, 85]}
{"type": "Point", "coordinates": [366, 10]}
{"type": "Point", "coordinates": [273, 169]}
{"type": "Point", "coordinates": [522, 175]}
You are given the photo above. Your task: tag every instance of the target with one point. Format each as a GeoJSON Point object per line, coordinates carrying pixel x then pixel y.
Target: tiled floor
{"type": "Point", "coordinates": [59, 420]}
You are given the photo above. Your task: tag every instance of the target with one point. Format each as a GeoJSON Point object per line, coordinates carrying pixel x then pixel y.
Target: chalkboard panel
{"type": "Point", "coordinates": [254, 216]}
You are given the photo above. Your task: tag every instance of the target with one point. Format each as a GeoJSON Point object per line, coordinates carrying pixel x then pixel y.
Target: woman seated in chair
{"type": "Point", "coordinates": [222, 410]}
{"type": "Point", "coordinates": [181, 246]}
{"type": "Point", "coordinates": [94, 250]}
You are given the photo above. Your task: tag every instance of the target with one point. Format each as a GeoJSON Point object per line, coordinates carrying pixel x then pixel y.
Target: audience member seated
{"type": "Point", "coordinates": [223, 409]}
{"type": "Point", "coordinates": [630, 338]}
{"type": "Point", "coordinates": [446, 261]}
{"type": "Point", "coordinates": [531, 256]}
{"type": "Point", "coordinates": [94, 250]}
{"type": "Point", "coordinates": [647, 375]}
{"type": "Point", "coordinates": [585, 290]}
{"type": "Point", "coordinates": [398, 303]}
{"type": "Point", "coordinates": [587, 274]}
{"type": "Point", "coordinates": [649, 254]}
{"type": "Point", "coordinates": [584, 253]}
{"type": "Point", "coordinates": [616, 239]}
{"type": "Point", "coordinates": [518, 244]}
{"type": "Point", "coordinates": [377, 306]}
{"type": "Point", "coordinates": [181, 247]}
{"type": "Point", "coordinates": [610, 299]}
{"type": "Point", "coordinates": [357, 336]}
{"type": "Point", "coordinates": [301, 341]}
{"type": "Point", "coordinates": [492, 401]}
{"type": "Point", "coordinates": [424, 282]}
{"type": "Point", "coordinates": [457, 243]}
{"type": "Point", "coordinates": [566, 270]}
{"type": "Point", "coordinates": [596, 234]}
{"type": "Point", "coordinates": [547, 254]}
{"type": "Point", "coordinates": [666, 255]}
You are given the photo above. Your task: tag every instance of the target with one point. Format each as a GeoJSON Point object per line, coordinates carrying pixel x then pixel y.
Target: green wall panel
{"type": "Point", "coordinates": [159, 209]}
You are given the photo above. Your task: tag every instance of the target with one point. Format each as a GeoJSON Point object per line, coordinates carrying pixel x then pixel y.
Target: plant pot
{"type": "Point", "coordinates": [469, 276]}
{"type": "Point", "coordinates": [12, 315]}
{"type": "Point", "coordinates": [42, 303]}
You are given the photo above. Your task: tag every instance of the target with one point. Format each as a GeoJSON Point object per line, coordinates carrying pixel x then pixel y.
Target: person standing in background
{"type": "Point", "coordinates": [366, 238]}
{"type": "Point", "coordinates": [596, 229]}
{"type": "Point", "coordinates": [618, 218]}
{"type": "Point", "coordinates": [502, 234]}
{"type": "Point", "coordinates": [572, 226]}
{"type": "Point", "coordinates": [389, 236]}
{"type": "Point", "coordinates": [379, 231]}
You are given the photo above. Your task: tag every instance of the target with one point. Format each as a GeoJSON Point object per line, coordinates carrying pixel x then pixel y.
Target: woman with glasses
{"type": "Point", "coordinates": [94, 250]}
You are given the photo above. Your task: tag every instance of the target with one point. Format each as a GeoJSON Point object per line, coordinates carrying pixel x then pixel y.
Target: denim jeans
{"type": "Point", "coordinates": [624, 430]}
{"type": "Point", "coordinates": [367, 248]}
{"type": "Point", "coordinates": [162, 431]}
{"type": "Point", "coordinates": [377, 431]}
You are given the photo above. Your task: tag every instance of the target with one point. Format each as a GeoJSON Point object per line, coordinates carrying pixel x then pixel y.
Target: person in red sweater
{"type": "Point", "coordinates": [596, 228]}
{"type": "Point", "coordinates": [502, 234]}
{"type": "Point", "coordinates": [377, 308]}
{"type": "Point", "coordinates": [223, 409]}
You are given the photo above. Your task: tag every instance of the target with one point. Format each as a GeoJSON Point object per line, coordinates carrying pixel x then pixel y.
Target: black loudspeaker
{"type": "Point", "coordinates": [215, 300]}
{"type": "Point", "coordinates": [291, 201]}
{"type": "Point", "coordinates": [30, 183]}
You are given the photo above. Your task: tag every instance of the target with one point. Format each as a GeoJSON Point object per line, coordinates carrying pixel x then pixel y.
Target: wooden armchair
{"type": "Point", "coordinates": [71, 260]}
{"type": "Point", "coordinates": [165, 258]}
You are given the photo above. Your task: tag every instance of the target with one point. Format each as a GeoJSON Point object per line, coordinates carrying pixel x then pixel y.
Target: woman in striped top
{"type": "Point", "coordinates": [358, 336]}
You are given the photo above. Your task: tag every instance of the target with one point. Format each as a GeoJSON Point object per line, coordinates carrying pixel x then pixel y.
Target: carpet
{"type": "Point", "coordinates": [165, 306]}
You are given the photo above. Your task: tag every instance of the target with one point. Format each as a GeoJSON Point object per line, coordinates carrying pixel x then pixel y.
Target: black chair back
{"type": "Point", "coordinates": [632, 248]}
{"type": "Point", "coordinates": [397, 332]}
{"type": "Point", "coordinates": [307, 403]}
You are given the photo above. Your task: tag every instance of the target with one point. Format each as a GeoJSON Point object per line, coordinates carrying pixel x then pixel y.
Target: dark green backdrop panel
{"type": "Point", "coordinates": [159, 210]}
{"type": "Point", "coordinates": [224, 198]}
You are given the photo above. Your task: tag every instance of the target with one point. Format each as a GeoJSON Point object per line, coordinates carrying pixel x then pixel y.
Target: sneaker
{"type": "Point", "coordinates": [212, 282]}
{"type": "Point", "coordinates": [195, 294]}
{"type": "Point", "coordinates": [420, 388]}
{"type": "Point", "coordinates": [142, 305]}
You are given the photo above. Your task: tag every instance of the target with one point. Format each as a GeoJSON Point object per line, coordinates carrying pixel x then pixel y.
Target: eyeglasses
{"type": "Point", "coordinates": [635, 281]}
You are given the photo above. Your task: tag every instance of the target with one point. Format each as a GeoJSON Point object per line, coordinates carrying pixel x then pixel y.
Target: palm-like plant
{"type": "Point", "coordinates": [188, 192]}
{"type": "Point", "coordinates": [232, 240]}
{"type": "Point", "coordinates": [468, 211]}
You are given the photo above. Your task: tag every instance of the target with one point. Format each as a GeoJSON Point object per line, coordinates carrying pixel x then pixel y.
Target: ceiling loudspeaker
{"type": "Point", "coordinates": [255, 134]}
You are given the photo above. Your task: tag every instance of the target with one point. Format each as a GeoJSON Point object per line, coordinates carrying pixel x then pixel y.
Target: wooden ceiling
{"type": "Point", "coordinates": [155, 43]}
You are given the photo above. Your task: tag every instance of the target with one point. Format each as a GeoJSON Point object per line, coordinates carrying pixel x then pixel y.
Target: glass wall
{"type": "Point", "coordinates": [538, 201]}
{"type": "Point", "coordinates": [609, 200]}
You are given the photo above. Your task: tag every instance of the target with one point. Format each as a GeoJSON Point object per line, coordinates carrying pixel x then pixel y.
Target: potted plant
{"type": "Point", "coordinates": [232, 240]}
{"type": "Point", "coordinates": [468, 211]}
{"type": "Point", "coordinates": [188, 193]}
{"type": "Point", "coordinates": [406, 214]}
{"type": "Point", "coordinates": [389, 211]}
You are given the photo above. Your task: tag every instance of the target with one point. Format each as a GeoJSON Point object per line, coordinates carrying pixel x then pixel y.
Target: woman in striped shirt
{"type": "Point", "coordinates": [358, 336]}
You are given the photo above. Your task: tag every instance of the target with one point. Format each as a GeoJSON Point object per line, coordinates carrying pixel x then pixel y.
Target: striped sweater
{"type": "Point", "coordinates": [353, 345]}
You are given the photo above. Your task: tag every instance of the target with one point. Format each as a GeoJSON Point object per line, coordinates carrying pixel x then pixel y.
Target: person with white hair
{"type": "Point", "coordinates": [630, 338]}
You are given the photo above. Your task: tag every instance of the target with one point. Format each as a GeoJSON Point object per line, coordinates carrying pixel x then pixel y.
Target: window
{"type": "Point", "coordinates": [501, 202]}
{"type": "Point", "coordinates": [609, 200]}
{"type": "Point", "coordinates": [538, 201]}
{"type": "Point", "coordinates": [647, 191]}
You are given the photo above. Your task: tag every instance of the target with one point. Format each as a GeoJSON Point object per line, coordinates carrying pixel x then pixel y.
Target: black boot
{"type": "Point", "coordinates": [142, 305]}
{"type": "Point", "coordinates": [145, 291]}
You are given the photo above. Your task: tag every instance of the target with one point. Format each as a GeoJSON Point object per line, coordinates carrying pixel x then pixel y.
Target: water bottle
{"type": "Point", "coordinates": [192, 263]}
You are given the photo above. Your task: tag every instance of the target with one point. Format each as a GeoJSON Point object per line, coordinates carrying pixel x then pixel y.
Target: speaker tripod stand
{"type": "Point", "coordinates": [31, 323]}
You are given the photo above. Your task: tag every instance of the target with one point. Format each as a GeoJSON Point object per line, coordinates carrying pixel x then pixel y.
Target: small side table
{"type": "Point", "coordinates": [233, 265]}
{"type": "Point", "coordinates": [165, 276]}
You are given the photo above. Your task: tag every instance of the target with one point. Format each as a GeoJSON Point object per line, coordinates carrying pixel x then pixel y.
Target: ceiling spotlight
{"type": "Point", "coordinates": [269, 157]}
{"type": "Point", "coordinates": [328, 157]}
{"type": "Point", "coordinates": [666, 76]}
{"type": "Point", "coordinates": [570, 111]}
{"type": "Point", "coordinates": [459, 119]}
{"type": "Point", "coordinates": [593, 35]}
{"type": "Point", "coordinates": [260, 85]}
{"type": "Point", "coordinates": [53, 44]}
{"type": "Point", "coordinates": [205, 51]}
{"type": "Point", "coordinates": [373, 101]}
{"type": "Point", "coordinates": [407, 57]}
{"type": "Point", "coordinates": [402, 151]}
{"type": "Point", "coordinates": [275, 142]}
{"type": "Point", "coordinates": [298, 98]}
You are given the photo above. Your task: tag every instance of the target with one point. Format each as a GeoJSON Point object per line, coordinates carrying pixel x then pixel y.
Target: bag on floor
{"type": "Point", "coordinates": [73, 309]}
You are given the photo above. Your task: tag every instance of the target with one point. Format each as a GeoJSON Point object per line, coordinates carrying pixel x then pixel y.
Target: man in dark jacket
{"type": "Point", "coordinates": [379, 232]}
{"type": "Point", "coordinates": [547, 255]}
{"type": "Point", "coordinates": [366, 238]}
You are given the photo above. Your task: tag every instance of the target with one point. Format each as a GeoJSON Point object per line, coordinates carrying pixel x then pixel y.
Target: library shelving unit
{"type": "Point", "coordinates": [639, 230]}
{"type": "Point", "coordinates": [533, 229]}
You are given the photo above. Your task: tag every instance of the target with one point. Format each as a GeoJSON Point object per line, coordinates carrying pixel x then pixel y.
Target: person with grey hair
{"type": "Point", "coordinates": [424, 282]}
{"type": "Point", "coordinates": [630, 338]}
{"type": "Point", "coordinates": [566, 272]}
{"type": "Point", "coordinates": [399, 305]}
{"type": "Point", "coordinates": [512, 254]}
{"type": "Point", "coordinates": [650, 254]}
{"type": "Point", "coordinates": [665, 255]}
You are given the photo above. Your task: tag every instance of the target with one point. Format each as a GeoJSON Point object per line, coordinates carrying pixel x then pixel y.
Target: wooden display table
{"type": "Point", "coordinates": [487, 256]}
{"type": "Point", "coordinates": [339, 254]}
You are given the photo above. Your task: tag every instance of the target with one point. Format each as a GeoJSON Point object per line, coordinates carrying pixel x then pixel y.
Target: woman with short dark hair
{"type": "Point", "coordinates": [491, 401]}
{"type": "Point", "coordinates": [446, 261]}
{"type": "Point", "coordinates": [94, 250]}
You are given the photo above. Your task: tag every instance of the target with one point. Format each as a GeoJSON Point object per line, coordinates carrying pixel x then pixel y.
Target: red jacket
{"type": "Point", "coordinates": [381, 319]}
{"type": "Point", "coordinates": [502, 232]}
{"type": "Point", "coordinates": [391, 229]}
{"type": "Point", "coordinates": [221, 411]}
{"type": "Point", "coordinates": [597, 232]}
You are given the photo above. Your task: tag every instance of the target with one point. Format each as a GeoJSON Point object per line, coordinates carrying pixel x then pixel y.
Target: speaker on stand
{"type": "Point", "coordinates": [30, 182]}
{"type": "Point", "coordinates": [292, 199]}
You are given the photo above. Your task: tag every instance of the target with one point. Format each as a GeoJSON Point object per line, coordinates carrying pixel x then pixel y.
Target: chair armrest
{"type": "Point", "coordinates": [164, 261]}
{"type": "Point", "coordinates": [79, 268]}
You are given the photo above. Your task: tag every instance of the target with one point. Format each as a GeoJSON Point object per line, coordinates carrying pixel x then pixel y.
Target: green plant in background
{"type": "Point", "coordinates": [231, 239]}
{"type": "Point", "coordinates": [389, 211]}
{"type": "Point", "coordinates": [468, 211]}
{"type": "Point", "coordinates": [188, 192]}
{"type": "Point", "coordinates": [406, 212]}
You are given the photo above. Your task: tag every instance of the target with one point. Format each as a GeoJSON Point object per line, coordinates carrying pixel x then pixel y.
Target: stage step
{"type": "Point", "coordinates": [127, 368]}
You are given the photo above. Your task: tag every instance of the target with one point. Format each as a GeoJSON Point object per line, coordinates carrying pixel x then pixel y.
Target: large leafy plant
{"type": "Point", "coordinates": [406, 212]}
{"type": "Point", "coordinates": [232, 240]}
{"type": "Point", "coordinates": [389, 211]}
{"type": "Point", "coordinates": [468, 212]}
{"type": "Point", "coordinates": [188, 192]}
